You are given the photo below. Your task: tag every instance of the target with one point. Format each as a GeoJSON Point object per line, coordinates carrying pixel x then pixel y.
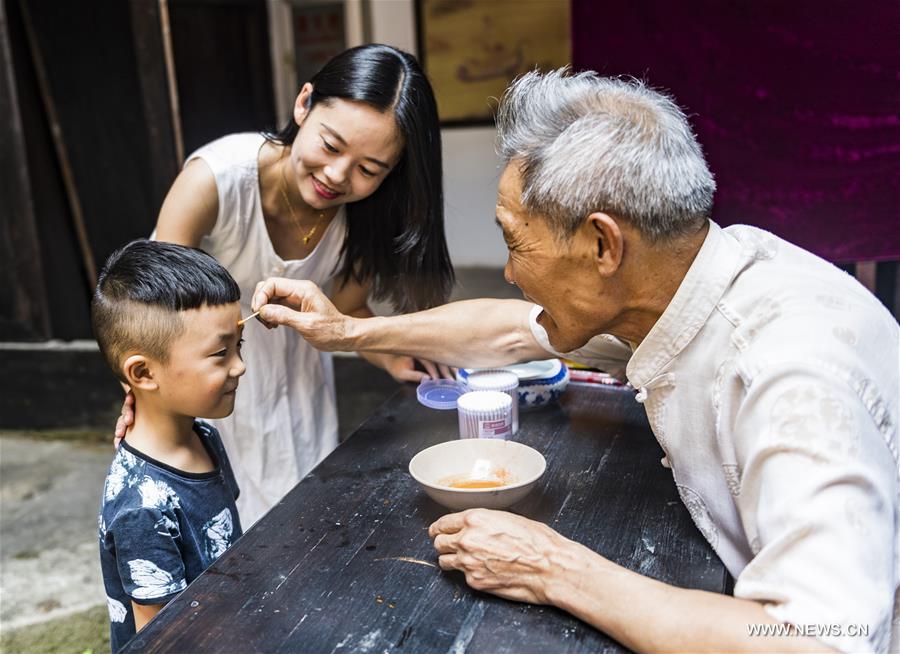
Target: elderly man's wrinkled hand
{"type": "Point", "coordinates": [499, 552]}
{"type": "Point", "coordinates": [303, 306]}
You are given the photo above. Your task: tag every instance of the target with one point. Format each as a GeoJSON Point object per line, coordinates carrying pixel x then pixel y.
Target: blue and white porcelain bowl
{"type": "Point", "coordinates": [540, 382]}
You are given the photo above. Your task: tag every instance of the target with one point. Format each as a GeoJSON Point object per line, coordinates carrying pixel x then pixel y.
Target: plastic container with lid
{"type": "Point", "coordinates": [485, 414]}
{"type": "Point", "coordinates": [497, 380]}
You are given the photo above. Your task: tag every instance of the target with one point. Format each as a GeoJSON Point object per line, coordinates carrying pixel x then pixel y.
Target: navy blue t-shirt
{"type": "Point", "coordinates": [161, 527]}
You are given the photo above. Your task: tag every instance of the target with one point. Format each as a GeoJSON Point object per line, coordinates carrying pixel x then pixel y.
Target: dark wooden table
{"type": "Point", "coordinates": [319, 572]}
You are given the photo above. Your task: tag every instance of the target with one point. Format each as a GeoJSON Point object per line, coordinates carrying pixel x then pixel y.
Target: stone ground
{"type": "Point", "coordinates": [51, 593]}
{"type": "Point", "coordinates": [49, 571]}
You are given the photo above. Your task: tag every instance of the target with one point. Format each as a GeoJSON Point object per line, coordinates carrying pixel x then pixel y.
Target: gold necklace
{"type": "Point", "coordinates": [290, 205]}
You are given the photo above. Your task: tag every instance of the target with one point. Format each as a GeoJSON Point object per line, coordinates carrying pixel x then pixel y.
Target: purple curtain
{"type": "Point", "coordinates": [796, 104]}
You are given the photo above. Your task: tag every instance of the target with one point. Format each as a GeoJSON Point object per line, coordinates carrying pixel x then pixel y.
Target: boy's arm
{"type": "Point", "coordinates": [149, 562]}
{"type": "Point", "coordinates": [144, 613]}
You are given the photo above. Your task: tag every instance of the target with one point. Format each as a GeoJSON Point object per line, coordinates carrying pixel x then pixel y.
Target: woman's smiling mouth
{"type": "Point", "coordinates": [324, 191]}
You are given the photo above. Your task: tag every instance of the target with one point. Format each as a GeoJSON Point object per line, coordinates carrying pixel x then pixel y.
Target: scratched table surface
{"type": "Point", "coordinates": [333, 566]}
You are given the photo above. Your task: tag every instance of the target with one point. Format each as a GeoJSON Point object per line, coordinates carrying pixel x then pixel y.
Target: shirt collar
{"type": "Point", "coordinates": [714, 268]}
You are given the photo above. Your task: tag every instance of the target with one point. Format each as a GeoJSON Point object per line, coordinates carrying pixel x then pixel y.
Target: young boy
{"type": "Point", "coordinates": [166, 319]}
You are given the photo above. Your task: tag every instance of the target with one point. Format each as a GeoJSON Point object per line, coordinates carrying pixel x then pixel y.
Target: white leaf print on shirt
{"type": "Point", "coordinates": [122, 473]}
{"type": "Point", "coordinates": [117, 610]}
{"type": "Point", "coordinates": [165, 526]}
{"type": "Point", "coordinates": [158, 494]}
{"type": "Point", "coordinates": [152, 581]}
{"type": "Point", "coordinates": [218, 534]}
{"type": "Point", "coordinates": [101, 527]}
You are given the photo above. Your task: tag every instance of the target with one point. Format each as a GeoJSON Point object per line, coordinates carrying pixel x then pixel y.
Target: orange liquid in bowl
{"type": "Point", "coordinates": [476, 483]}
{"type": "Point", "coordinates": [499, 478]}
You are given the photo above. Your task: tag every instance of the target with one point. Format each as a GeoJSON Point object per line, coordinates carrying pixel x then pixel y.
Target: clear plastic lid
{"type": "Point", "coordinates": [439, 393]}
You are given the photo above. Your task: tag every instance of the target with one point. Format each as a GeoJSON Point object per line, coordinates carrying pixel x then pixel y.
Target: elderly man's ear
{"type": "Point", "coordinates": [610, 242]}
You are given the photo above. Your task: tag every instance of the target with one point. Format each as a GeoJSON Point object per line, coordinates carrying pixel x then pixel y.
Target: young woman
{"type": "Point", "coordinates": [347, 195]}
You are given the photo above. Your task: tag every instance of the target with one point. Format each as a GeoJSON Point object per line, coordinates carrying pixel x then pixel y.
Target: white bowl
{"type": "Point", "coordinates": [516, 465]}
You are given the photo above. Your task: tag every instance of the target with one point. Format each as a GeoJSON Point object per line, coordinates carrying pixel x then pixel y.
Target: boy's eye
{"type": "Point", "coordinates": [224, 352]}
{"type": "Point", "coordinates": [328, 146]}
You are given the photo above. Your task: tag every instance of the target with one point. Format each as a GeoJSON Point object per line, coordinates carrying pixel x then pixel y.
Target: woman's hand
{"type": "Point", "coordinates": [126, 417]}
{"type": "Point", "coordinates": [403, 368]}
{"type": "Point", "coordinates": [302, 305]}
{"type": "Point", "coordinates": [499, 552]}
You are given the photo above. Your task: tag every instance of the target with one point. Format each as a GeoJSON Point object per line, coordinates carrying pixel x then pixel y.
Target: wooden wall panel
{"type": "Point", "coordinates": [64, 281]}
{"type": "Point", "coordinates": [106, 74]}
{"type": "Point", "coordinates": [23, 301]}
{"type": "Point", "coordinates": [223, 68]}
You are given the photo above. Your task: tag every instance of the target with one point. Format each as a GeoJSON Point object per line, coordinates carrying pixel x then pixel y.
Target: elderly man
{"type": "Point", "coordinates": [770, 380]}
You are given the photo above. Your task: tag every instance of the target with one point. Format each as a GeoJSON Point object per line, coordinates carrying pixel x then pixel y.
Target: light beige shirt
{"type": "Point", "coordinates": [771, 383]}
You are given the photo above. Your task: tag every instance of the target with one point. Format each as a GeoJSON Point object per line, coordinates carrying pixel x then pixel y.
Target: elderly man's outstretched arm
{"type": "Point", "coordinates": [472, 333]}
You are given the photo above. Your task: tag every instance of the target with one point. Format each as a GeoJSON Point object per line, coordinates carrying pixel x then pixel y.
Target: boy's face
{"type": "Point", "coordinates": [201, 376]}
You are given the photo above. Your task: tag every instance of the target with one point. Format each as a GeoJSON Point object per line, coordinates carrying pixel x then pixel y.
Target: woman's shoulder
{"type": "Point", "coordinates": [232, 151]}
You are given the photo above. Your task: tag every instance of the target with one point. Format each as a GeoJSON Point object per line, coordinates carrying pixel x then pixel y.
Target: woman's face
{"type": "Point", "coordinates": [343, 151]}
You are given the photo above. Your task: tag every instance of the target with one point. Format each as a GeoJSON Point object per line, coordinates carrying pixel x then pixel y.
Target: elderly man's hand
{"type": "Point", "coordinates": [303, 306]}
{"type": "Point", "coordinates": [499, 552]}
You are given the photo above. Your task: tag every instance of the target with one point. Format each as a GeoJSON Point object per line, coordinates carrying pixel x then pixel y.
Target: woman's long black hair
{"type": "Point", "coordinates": [395, 237]}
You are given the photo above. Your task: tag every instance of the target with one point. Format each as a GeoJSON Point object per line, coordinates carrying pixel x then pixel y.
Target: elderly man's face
{"type": "Point", "coordinates": [561, 276]}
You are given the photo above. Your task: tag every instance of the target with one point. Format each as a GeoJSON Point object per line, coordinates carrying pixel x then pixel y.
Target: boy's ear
{"type": "Point", "coordinates": [138, 373]}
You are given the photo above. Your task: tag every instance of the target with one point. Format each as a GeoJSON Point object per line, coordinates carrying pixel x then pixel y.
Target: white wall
{"type": "Point", "coordinates": [471, 171]}
{"type": "Point", "coordinates": [471, 167]}
{"type": "Point", "coordinates": [394, 23]}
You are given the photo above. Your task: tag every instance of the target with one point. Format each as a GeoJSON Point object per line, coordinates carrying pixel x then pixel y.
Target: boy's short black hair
{"type": "Point", "coordinates": [140, 291]}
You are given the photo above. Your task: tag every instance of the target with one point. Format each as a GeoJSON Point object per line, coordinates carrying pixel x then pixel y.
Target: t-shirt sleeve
{"type": "Point", "coordinates": [604, 351]}
{"type": "Point", "coordinates": [817, 499]}
{"type": "Point", "coordinates": [150, 564]}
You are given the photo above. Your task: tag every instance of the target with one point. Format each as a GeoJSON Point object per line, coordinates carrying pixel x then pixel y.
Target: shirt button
{"type": "Point", "coordinates": [278, 270]}
{"type": "Point", "coordinates": [664, 462]}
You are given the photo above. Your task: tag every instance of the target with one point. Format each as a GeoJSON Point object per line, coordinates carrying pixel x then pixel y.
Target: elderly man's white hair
{"type": "Point", "coordinates": [586, 143]}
